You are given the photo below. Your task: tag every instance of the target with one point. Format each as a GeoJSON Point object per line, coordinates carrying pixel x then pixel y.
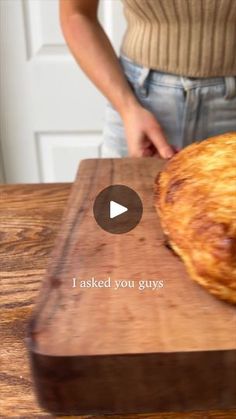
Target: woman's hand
{"type": "Point", "coordinates": [145, 137]}
{"type": "Point", "coordinates": [96, 56]}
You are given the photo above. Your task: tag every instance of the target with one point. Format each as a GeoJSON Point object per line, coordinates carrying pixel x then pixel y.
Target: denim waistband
{"type": "Point", "coordinates": [140, 74]}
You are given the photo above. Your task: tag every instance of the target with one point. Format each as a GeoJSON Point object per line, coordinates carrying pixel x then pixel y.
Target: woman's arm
{"type": "Point", "coordinates": [96, 56]}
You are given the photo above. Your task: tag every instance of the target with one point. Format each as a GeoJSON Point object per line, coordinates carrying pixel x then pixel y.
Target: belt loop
{"type": "Point", "coordinates": [186, 83]}
{"type": "Point", "coordinates": [230, 87]}
{"type": "Point", "coordinates": [185, 87]}
{"type": "Point", "coordinates": [143, 88]}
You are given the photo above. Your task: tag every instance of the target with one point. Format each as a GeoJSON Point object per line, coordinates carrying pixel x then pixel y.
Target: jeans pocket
{"type": "Point", "coordinates": [137, 76]}
{"type": "Point", "coordinates": [130, 69]}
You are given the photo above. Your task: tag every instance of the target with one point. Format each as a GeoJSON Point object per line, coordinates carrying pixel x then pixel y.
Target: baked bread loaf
{"type": "Point", "coordinates": [195, 196]}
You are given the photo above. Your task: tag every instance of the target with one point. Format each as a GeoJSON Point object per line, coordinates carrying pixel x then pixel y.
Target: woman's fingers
{"type": "Point", "coordinates": [145, 136]}
{"type": "Point", "coordinates": [157, 137]}
{"type": "Point", "coordinates": [148, 152]}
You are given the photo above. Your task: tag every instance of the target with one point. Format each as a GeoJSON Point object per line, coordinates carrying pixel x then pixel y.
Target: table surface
{"type": "Point", "coordinates": [30, 217]}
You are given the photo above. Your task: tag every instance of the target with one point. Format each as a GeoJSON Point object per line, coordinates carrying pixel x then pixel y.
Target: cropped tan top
{"type": "Point", "coordinates": [195, 38]}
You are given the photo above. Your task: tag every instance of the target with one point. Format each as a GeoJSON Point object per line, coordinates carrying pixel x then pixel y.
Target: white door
{"type": "Point", "coordinates": [51, 115]}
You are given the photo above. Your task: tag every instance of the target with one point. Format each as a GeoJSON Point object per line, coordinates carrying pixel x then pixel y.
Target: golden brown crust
{"type": "Point", "coordinates": [195, 196]}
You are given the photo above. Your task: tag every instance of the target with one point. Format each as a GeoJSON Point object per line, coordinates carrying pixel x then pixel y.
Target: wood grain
{"type": "Point", "coordinates": [30, 216]}
{"type": "Point", "coordinates": [29, 219]}
{"type": "Point", "coordinates": [144, 347]}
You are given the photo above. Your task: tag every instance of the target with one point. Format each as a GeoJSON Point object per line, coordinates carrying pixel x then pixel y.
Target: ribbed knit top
{"type": "Point", "coordinates": [195, 38]}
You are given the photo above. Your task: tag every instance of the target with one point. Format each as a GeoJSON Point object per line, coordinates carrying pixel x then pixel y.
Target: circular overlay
{"type": "Point", "coordinates": [117, 209]}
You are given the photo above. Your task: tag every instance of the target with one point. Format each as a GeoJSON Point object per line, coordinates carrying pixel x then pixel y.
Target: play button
{"type": "Point", "coordinates": [117, 209]}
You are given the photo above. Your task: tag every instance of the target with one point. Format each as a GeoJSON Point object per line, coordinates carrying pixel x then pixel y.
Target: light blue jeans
{"type": "Point", "coordinates": [188, 109]}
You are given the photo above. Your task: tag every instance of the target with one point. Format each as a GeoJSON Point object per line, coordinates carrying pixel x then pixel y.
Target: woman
{"type": "Point", "coordinates": [175, 81]}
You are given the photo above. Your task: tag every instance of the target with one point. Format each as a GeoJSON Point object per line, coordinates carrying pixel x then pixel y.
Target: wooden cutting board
{"type": "Point", "coordinates": [134, 348]}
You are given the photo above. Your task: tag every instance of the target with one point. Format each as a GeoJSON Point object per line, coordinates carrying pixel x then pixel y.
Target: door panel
{"type": "Point", "coordinates": [60, 154]}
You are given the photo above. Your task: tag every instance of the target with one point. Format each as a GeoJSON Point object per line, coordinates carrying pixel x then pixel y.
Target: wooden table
{"type": "Point", "coordinates": [30, 216]}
